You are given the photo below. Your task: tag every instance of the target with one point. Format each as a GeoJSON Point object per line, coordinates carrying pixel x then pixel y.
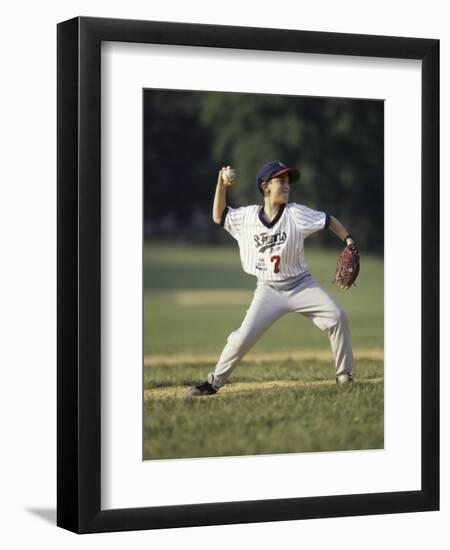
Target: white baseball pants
{"type": "Point", "coordinates": [268, 305]}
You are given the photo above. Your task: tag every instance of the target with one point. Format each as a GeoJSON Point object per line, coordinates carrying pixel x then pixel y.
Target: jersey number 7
{"type": "Point", "coordinates": [276, 267]}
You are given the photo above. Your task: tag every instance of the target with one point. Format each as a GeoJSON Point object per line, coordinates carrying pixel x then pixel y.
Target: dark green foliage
{"type": "Point", "coordinates": [338, 144]}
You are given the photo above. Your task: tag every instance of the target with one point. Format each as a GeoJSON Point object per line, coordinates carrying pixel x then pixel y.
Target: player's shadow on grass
{"type": "Point", "coordinates": [47, 514]}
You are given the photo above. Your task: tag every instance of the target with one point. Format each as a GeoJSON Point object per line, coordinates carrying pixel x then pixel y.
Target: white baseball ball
{"type": "Point", "coordinates": [229, 174]}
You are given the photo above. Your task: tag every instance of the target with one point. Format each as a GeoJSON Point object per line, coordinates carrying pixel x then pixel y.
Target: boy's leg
{"type": "Point", "coordinates": [311, 300]}
{"type": "Point", "coordinates": [267, 306]}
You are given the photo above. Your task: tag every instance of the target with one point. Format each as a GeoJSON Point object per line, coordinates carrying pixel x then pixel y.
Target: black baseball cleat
{"type": "Point", "coordinates": [205, 388]}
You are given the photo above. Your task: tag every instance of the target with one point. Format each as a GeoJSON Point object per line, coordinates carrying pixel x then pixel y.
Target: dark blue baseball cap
{"type": "Point", "coordinates": [274, 169]}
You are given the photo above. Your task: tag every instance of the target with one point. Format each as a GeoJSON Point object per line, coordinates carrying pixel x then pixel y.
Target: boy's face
{"type": "Point", "coordinates": [278, 188]}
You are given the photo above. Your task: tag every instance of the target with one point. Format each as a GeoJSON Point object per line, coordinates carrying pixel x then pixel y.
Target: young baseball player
{"type": "Point", "coordinates": [271, 243]}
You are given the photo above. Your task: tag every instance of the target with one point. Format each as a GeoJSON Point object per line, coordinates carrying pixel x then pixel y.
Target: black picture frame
{"type": "Point", "coordinates": [79, 275]}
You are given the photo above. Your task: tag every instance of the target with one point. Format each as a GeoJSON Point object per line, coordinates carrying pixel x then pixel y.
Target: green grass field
{"type": "Point", "coordinates": [193, 298]}
{"type": "Point", "coordinates": [265, 410]}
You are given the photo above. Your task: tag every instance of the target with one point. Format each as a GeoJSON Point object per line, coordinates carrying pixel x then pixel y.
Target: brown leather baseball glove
{"type": "Point", "coordinates": [347, 268]}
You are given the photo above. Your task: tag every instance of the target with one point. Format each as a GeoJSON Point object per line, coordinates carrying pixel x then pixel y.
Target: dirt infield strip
{"type": "Point", "coordinates": [171, 392]}
{"type": "Point", "coordinates": [157, 359]}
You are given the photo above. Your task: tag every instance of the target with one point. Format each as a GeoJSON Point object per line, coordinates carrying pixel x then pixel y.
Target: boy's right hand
{"type": "Point", "coordinates": [226, 176]}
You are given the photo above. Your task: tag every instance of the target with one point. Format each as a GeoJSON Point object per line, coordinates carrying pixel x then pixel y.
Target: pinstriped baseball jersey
{"type": "Point", "coordinates": [273, 251]}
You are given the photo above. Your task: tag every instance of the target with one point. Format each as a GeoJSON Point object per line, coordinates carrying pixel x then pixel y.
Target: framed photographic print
{"type": "Point", "coordinates": [192, 274]}
{"type": "Point", "coordinates": [191, 159]}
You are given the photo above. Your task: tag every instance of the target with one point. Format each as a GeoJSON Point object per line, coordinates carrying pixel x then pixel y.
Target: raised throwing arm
{"type": "Point", "coordinates": [223, 182]}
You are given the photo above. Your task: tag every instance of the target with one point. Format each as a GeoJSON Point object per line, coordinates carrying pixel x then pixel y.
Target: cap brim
{"type": "Point", "coordinates": [294, 174]}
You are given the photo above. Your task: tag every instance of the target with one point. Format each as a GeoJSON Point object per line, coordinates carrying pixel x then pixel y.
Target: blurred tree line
{"type": "Point", "coordinates": [338, 145]}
